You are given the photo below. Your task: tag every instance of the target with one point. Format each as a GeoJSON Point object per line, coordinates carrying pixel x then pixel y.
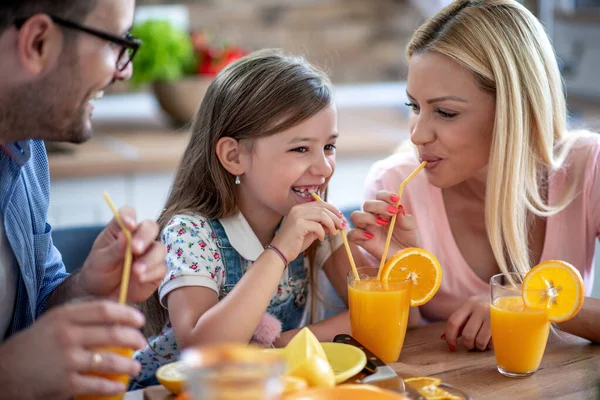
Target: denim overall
{"type": "Point", "coordinates": [291, 311]}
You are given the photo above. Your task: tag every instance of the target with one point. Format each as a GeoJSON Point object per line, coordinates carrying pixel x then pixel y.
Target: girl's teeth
{"type": "Point", "coordinates": [303, 192]}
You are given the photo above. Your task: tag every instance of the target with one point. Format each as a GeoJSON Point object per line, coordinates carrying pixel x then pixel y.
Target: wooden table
{"type": "Point", "coordinates": [570, 369]}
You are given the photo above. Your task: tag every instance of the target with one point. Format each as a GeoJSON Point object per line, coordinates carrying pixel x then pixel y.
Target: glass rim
{"type": "Point", "coordinates": [350, 275]}
{"type": "Point", "coordinates": [494, 283]}
{"type": "Point", "coordinates": [519, 274]}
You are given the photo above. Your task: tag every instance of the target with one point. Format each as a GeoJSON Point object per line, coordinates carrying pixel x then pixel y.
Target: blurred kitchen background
{"type": "Point", "coordinates": [137, 144]}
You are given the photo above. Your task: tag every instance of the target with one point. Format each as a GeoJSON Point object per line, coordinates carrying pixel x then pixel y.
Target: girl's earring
{"type": "Point", "coordinates": [237, 180]}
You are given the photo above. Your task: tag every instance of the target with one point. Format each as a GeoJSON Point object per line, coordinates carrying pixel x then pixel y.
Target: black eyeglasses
{"type": "Point", "coordinates": [129, 44]}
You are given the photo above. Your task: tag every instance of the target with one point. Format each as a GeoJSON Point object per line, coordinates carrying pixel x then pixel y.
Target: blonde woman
{"type": "Point", "coordinates": [506, 185]}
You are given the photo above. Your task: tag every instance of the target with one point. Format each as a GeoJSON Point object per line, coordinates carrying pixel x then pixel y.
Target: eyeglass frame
{"type": "Point", "coordinates": [129, 42]}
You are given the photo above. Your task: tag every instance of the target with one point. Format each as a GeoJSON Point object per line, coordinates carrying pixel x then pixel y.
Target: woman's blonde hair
{"type": "Point", "coordinates": [263, 93]}
{"type": "Point", "coordinates": [511, 58]}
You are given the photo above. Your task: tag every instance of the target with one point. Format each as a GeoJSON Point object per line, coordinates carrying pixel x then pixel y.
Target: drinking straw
{"type": "Point", "coordinates": [345, 239]}
{"type": "Point", "coordinates": [128, 255]}
{"type": "Point", "coordinates": [393, 220]}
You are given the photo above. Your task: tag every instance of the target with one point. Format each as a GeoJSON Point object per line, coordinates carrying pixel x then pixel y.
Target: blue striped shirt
{"type": "Point", "coordinates": [24, 201]}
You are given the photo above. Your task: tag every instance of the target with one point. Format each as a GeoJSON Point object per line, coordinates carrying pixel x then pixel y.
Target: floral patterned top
{"type": "Point", "coordinates": [194, 259]}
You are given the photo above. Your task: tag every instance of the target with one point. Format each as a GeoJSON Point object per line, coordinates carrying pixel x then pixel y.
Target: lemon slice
{"type": "Point", "coordinates": [293, 384]}
{"type": "Point", "coordinates": [418, 265]}
{"type": "Point", "coordinates": [555, 285]}
{"type": "Point", "coordinates": [172, 376]}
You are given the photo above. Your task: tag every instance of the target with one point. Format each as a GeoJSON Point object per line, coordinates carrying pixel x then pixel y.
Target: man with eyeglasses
{"type": "Point", "coordinates": [56, 56]}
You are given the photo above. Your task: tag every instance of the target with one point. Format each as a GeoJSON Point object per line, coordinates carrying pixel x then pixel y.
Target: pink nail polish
{"type": "Point", "coordinates": [381, 221]}
{"type": "Point", "coordinates": [402, 210]}
{"type": "Point", "coordinates": [392, 210]}
{"type": "Point", "coordinates": [394, 198]}
{"type": "Point", "coordinates": [369, 235]}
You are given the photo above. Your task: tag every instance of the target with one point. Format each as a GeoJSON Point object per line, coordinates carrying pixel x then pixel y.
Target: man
{"type": "Point", "coordinates": [56, 55]}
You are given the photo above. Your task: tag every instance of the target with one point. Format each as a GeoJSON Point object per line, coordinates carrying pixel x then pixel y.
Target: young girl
{"type": "Point", "coordinates": [240, 217]}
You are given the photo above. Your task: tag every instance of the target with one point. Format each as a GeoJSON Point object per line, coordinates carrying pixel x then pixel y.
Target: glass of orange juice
{"type": "Point", "coordinates": [233, 372]}
{"type": "Point", "coordinates": [519, 332]}
{"type": "Point", "coordinates": [379, 312]}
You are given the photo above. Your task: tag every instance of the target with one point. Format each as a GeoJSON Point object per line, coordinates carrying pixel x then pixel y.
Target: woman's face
{"type": "Point", "coordinates": [452, 119]}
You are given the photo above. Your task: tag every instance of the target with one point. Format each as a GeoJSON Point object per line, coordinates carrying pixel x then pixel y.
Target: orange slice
{"type": "Point", "coordinates": [421, 267]}
{"type": "Point", "coordinates": [555, 285]}
{"type": "Point", "coordinates": [428, 388]}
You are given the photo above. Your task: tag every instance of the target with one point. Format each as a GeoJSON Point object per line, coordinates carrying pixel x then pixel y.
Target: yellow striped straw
{"type": "Point", "coordinates": [345, 239]}
{"type": "Point", "coordinates": [128, 255]}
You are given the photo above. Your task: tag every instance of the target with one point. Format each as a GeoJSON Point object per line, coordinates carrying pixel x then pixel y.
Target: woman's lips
{"type": "Point", "coordinates": [432, 161]}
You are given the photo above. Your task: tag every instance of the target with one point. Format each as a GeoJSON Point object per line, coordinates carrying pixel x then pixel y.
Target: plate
{"type": "Point", "coordinates": [346, 392]}
{"type": "Point", "coordinates": [345, 360]}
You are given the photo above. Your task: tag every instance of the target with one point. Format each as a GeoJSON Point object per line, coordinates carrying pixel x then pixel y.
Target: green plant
{"type": "Point", "coordinates": [167, 53]}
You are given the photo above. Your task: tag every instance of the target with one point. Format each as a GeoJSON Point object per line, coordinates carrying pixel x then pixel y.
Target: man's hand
{"type": "Point", "coordinates": [102, 271]}
{"type": "Point", "coordinates": [48, 360]}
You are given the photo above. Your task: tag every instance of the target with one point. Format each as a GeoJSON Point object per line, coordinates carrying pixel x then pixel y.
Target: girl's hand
{"type": "Point", "coordinates": [304, 224]}
{"type": "Point", "coordinates": [372, 226]}
{"type": "Point", "coordinates": [472, 323]}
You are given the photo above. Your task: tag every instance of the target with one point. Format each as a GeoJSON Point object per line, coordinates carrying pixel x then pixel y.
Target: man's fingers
{"type": "Point", "coordinates": [144, 236]}
{"type": "Point", "coordinates": [89, 384]}
{"type": "Point", "coordinates": [151, 265]}
{"type": "Point", "coordinates": [106, 362]}
{"type": "Point", "coordinates": [101, 312]}
{"type": "Point", "coordinates": [108, 336]}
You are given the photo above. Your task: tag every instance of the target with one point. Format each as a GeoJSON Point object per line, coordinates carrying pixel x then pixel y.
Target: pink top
{"type": "Point", "coordinates": [570, 235]}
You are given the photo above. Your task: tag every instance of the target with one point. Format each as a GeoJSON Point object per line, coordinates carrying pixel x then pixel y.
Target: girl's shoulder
{"type": "Point", "coordinates": [188, 219]}
{"type": "Point", "coordinates": [188, 224]}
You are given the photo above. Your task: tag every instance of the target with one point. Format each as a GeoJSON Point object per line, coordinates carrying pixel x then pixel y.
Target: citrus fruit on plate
{"type": "Point", "coordinates": [430, 388]}
{"type": "Point", "coordinates": [345, 360]}
{"type": "Point", "coordinates": [172, 376]}
{"type": "Point", "coordinates": [555, 285]}
{"type": "Point", "coordinates": [418, 265]}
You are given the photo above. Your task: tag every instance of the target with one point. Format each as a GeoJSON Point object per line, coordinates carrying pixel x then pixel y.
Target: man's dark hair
{"type": "Point", "coordinates": [73, 10]}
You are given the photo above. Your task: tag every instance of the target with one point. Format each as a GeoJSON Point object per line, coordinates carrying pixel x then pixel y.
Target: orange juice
{"type": "Point", "coordinates": [379, 315]}
{"type": "Point", "coordinates": [121, 378]}
{"type": "Point", "coordinates": [519, 334]}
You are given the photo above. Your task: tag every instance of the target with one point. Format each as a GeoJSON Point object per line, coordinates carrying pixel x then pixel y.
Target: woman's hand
{"type": "Point", "coordinates": [372, 226]}
{"type": "Point", "coordinates": [472, 323]}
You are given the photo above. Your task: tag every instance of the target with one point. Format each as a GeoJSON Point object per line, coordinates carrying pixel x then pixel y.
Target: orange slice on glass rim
{"type": "Point", "coordinates": [418, 265]}
{"type": "Point", "coordinates": [555, 285]}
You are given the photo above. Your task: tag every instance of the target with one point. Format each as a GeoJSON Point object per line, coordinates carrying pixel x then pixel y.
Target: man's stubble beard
{"type": "Point", "coordinates": [48, 109]}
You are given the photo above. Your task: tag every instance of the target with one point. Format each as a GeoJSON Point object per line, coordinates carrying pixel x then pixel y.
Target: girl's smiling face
{"type": "Point", "coordinates": [281, 169]}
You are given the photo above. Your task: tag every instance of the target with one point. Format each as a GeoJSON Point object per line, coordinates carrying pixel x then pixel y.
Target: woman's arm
{"type": "Point", "coordinates": [585, 323]}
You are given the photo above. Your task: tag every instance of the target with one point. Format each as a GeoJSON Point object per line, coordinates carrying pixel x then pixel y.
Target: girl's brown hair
{"type": "Point", "coordinates": [259, 95]}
